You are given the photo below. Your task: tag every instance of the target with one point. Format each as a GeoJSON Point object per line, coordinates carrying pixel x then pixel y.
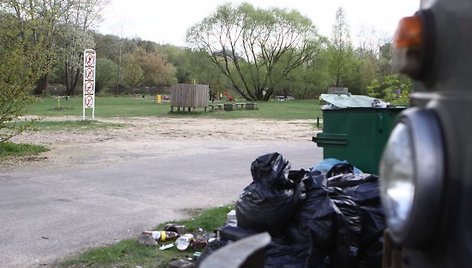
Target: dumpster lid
{"type": "Point", "coordinates": [339, 101]}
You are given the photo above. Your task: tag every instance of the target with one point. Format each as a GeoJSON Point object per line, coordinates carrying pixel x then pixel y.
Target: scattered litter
{"type": "Point", "coordinates": [166, 246]}
{"type": "Point", "coordinates": [150, 238]}
{"type": "Point", "coordinates": [196, 255]}
{"type": "Point", "coordinates": [162, 235]}
{"type": "Point", "coordinates": [231, 218]}
{"type": "Point", "coordinates": [199, 243]}
{"type": "Point", "coordinates": [183, 242]}
{"type": "Point", "coordinates": [172, 227]}
{"type": "Point", "coordinates": [328, 216]}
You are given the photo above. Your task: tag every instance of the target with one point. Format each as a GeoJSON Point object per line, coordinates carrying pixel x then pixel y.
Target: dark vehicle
{"type": "Point", "coordinates": [427, 164]}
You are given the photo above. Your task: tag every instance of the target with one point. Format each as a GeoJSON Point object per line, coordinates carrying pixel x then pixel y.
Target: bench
{"type": "Point", "coordinates": [215, 106]}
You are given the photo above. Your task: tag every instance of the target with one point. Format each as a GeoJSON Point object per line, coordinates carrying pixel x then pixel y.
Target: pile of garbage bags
{"type": "Point", "coordinates": [327, 216]}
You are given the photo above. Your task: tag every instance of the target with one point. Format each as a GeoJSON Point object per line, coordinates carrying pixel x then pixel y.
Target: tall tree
{"type": "Point", "coordinates": [41, 17]}
{"type": "Point", "coordinates": [106, 75]}
{"type": "Point", "coordinates": [247, 45]}
{"type": "Point", "coordinates": [77, 20]}
{"type": "Point", "coordinates": [341, 50]}
{"type": "Point", "coordinates": [147, 68]}
{"type": "Point", "coordinates": [392, 88]}
{"type": "Point", "coordinates": [54, 21]}
{"type": "Point", "coordinates": [72, 43]}
{"type": "Point", "coordinates": [20, 68]}
{"type": "Point", "coordinates": [385, 57]}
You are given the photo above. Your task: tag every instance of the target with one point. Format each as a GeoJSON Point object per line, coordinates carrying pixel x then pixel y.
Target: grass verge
{"type": "Point", "coordinates": [73, 125]}
{"type": "Point", "coordinates": [141, 107]}
{"type": "Point", "coordinates": [129, 253]}
{"type": "Point", "coordinates": [10, 149]}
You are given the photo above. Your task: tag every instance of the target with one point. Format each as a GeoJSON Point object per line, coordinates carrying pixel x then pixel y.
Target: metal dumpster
{"type": "Point", "coordinates": [354, 132]}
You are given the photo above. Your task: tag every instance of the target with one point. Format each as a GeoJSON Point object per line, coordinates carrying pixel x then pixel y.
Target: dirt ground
{"type": "Point", "coordinates": [148, 130]}
{"type": "Point", "coordinates": [95, 187]}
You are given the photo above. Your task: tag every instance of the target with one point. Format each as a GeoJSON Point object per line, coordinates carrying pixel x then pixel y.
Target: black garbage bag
{"type": "Point", "coordinates": [371, 239]}
{"type": "Point", "coordinates": [210, 249]}
{"type": "Point", "coordinates": [263, 208]}
{"type": "Point", "coordinates": [279, 254]}
{"type": "Point", "coordinates": [272, 170]}
{"type": "Point", "coordinates": [269, 202]}
{"type": "Point", "coordinates": [321, 226]}
{"type": "Point", "coordinates": [350, 211]}
{"type": "Point", "coordinates": [364, 190]}
{"type": "Point", "coordinates": [341, 168]}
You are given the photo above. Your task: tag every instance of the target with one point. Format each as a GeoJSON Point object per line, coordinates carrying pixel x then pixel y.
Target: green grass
{"type": "Point", "coordinates": [73, 125]}
{"type": "Point", "coordinates": [141, 107]}
{"type": "Point", "coordinates": [10, 149]}
{"type": "Point", "coordinates": [129, 253]}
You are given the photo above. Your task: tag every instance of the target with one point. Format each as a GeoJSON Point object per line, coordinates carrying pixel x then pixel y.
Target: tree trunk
{"type": "Point", "coordinates": [41, 85]}
{"type": "Point", "coordinates": [66, 78]}
{"type": "Point", "coordinates": [71, 78]}
{"type": "Point", "coordinates": [75, 81]}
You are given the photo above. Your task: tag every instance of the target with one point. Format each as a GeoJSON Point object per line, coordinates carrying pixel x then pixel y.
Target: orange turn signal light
{"type": "Point", "coordinates": [409, 33]}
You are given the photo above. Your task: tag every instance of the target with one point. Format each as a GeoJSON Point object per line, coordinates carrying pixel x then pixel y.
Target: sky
{"type": "Point", "coordinates": [167, 21]}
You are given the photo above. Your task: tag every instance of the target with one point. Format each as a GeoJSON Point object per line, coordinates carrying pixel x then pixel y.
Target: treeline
{"type": "Point", "coordinates": [277, 52]}
{"type": "Point", "coordinates": [256, 53]}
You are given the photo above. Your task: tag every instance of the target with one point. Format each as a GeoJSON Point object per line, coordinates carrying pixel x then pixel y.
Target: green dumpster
{"type": "Point", "coordinates": [356, 134]}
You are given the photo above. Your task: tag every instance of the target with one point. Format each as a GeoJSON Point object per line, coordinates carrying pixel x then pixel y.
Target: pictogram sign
{"type": "Point", "coordinates": [90, 59]}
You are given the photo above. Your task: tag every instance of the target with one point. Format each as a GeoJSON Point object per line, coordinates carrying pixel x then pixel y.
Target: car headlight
{"type": "Point", "coordinates": [412, 172]}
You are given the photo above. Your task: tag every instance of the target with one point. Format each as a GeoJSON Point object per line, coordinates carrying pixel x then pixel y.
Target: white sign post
{"type": "Point", "coordinates": [90, 59]}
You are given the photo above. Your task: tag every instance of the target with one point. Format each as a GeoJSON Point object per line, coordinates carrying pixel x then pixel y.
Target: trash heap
{"type": "Point", "coordinates": [327, 216]}
{"type": "Point", "coordinates": [175, 235]}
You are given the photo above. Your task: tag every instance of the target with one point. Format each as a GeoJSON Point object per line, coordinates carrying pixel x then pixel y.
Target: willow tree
{"type": "Point", "coordinates": [248, 45]}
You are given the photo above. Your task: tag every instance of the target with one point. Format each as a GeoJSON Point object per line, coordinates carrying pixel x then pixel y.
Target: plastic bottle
{"type": "Point", "coordinates": [163, 235]}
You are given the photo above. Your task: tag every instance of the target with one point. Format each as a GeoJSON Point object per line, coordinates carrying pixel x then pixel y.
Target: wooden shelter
{"type": "Point", "coordinates": [189, 96]}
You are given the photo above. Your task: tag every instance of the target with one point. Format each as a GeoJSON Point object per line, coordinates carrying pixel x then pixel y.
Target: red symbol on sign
{"type": "Point", "coordinates": [88, 101]}
{"type": "Point", "coordinates": [89, 74]}
{"type": "Point", "coordinates": [89, 88]}
{"type": "Point", "coordinates": [89, 59]}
